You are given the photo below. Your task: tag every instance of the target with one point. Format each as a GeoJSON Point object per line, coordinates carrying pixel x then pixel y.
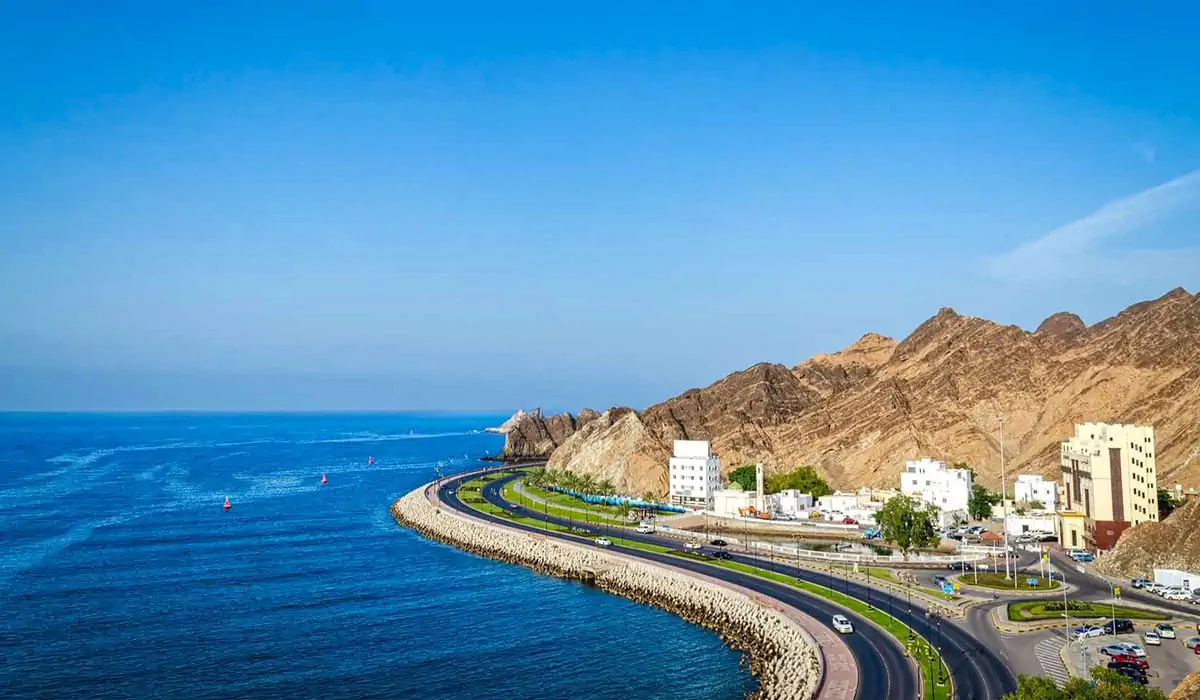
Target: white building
{"type": "Point", "coordinates": [1175, 577]}
{"type": "Point", "coordinates": [1032, 487]}
{"type": "Point", "coordinates": [931, 481]}
{"type": "Point", "coordinates": [790, 502]}
{"type": "Point", "coordinates": [837, 502]}
{"type": "Point", "coordinates": [733, 502]}
{"type": "Point", "coordinates": [694, 472]}
{"type": "Point", "coordinates": [1021, 524]}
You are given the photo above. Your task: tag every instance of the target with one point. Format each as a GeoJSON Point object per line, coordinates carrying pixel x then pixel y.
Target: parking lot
{"type": "Point", "coordinates": [1169, 663]}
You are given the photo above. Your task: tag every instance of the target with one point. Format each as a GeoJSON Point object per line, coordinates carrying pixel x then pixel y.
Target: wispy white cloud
{"type": "Point", "coordinates": [1147, 151]}
{"type": "Point", "coordinates": [1081, 247]}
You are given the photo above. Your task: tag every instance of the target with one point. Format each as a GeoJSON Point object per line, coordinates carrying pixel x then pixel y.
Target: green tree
{"type": "Point", "coordinates": [745, 476]}
{"type": "Point", "coordinates": [805, 480]}
{"type": "Point", "coordinates": [605, 487]}
{"type": "Point", "coordinates": [1166, 503]}
{"type": "Point", "coordinates": [981, 502]}
{"type": "Point", "coordinates": [908, 524]}
{"type": "Point", "coordinates": [1105, 685]}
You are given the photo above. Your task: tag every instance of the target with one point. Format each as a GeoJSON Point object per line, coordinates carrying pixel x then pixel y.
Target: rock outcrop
{"type": "Point", "coordinates": [858, 414]}
{"type": "Point", "coordinates": [1173, 543]}
{"type": "Point", "coordinates": [533, 436]}
{"type": "Point", "coordinates": [783, 656]}
{"type": "Point", "coordinates": [1188, 689]}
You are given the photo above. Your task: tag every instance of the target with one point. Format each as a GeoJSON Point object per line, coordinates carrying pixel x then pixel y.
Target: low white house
{"type": "Point", "coordinates": [931, 481]}
{"type": "Point", "coordinates": [790, 502]}
{"type": "Point", "coordinates": [732, 501]}
{"type": "Point", "coordinates": [1174, 577]}
{"type": "Point", "coordinates": [1029, 488]}
{"type": "Point", "coordinates": [693, 474]}
{"type": "Point", "coordinates": [837, 502]}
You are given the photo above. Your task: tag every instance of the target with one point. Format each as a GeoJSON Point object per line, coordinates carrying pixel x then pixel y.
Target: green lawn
{"type": "Point", "coordinates": [1035, 610]}
{"type": "Point", "coordinates": [563, 499]}
{"type": "Point", "coordinates": [996, 580]}
{"type": "Point", "coordinates": [513, 496]}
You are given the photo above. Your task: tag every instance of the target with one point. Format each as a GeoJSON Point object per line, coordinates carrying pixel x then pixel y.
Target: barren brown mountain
{"type": "Point", "coordinates": [1173, 543]}
{"type": "Point", "coordinates": [859, 413]}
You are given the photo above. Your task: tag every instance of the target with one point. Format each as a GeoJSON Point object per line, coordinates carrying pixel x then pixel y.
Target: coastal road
{"type": "Point", "coordinates": [977, 670]}
{"type": "Point", "coordinates": [884, 670]}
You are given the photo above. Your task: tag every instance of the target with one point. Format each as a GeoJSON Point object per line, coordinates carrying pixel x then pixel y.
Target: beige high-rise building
{"type": "Point", "coordinates": [1108, 477]}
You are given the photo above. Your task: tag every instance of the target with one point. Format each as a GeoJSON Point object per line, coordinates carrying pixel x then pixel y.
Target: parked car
{"type": "Point", "coordinates": [1140, 582]}
{"type": "Point", "coordinates": [1118, 626]}
{"type": "Point", "coordinates": [940, 581]}
{"type": "Point", "coordinates": [1135, 649]}
{"type": "Point", "coordinates": [1192, 642]}
{"type": "Point", "coordinates": [1089, 631]}
{"type": "Point", "coordinates": [1130, 659]}
{"type": "Point", "coordinates": [692, 545]}
{"type": "Point", "coordinates": [1177, 594]}
{"type": "Point", "coordinates": [1152, 639]}
{"type": "Point", "coordinates": [842, 624]}
{"type": "Point", "coordinates": [603, 541]}
{"type": "Point", "coordinates": [1115, 650]}
{"type": "Point", "coordinates": [1133, 673]}
{"type": "Point", "coordinates": [1164, 631]}
{"type": "Point", "coordinates": [1153, 587]}
{"type": "Point", "coordinates": [718, 543]}
{"type": "Point", "coordinates": [721, 555]}
{"type": "Point", "coordinates": [849, 521]}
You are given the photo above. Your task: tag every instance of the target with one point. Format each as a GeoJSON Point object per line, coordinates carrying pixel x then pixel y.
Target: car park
{"type": "Point", "coordinates": [842, 624]}
{"type": "Point", "coordinates": [603, 541]}
{"type": "Point", "coordinates": [1152, 639]}
{"type": "Point", "coordinates": [1164, 631]}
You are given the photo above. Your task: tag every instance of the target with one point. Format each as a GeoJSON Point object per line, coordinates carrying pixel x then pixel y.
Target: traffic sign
{"type": "Point", "coordinates": [1031, 581]}
{"type": "Point", "coordinates": [1117, 591]}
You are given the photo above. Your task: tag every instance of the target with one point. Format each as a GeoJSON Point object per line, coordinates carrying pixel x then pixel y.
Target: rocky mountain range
{"type": "Point", "coordinates": [857, 414]}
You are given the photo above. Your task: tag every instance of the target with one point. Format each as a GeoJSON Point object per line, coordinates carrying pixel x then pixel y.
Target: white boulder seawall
{"type": "Point", "coordinates": [784, 657]}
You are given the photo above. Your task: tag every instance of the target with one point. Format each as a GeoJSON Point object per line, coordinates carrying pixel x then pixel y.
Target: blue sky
{"type": "Point", "coordinates": [481, 206]}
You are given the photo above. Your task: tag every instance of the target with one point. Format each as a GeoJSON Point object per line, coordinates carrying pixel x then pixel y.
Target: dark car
{"type": "Point", "coordinates": [1118, 626]}
{"type": "Point", "coordinates": [1131, 671]}
{"type": "Point", "coordinates": [721, 555]}
{"type": "Point", "coordinates": [718, 543]}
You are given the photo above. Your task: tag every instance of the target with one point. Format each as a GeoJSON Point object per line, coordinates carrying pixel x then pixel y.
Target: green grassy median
{"type": "Point", "coordinates": [996, 580]}
{"type": "Point", "coordinates": [1038, 610]}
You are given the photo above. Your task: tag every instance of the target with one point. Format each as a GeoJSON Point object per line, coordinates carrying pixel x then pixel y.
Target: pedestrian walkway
{"type": "Point", "coordinates": [1049, 657]}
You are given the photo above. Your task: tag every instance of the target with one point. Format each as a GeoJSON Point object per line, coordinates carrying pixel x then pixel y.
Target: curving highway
{"type": "Point", "coordinates": [977, 670]}
{"type": "Point", "coordinates": [884, 670]}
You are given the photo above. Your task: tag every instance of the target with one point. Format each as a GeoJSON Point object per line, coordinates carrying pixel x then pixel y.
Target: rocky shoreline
{"type": "Point", "coordinates": [783, 656]}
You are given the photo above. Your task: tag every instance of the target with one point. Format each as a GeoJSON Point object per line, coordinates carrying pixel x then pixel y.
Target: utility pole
{"type": "Point", "coordinates": [1003, 497]}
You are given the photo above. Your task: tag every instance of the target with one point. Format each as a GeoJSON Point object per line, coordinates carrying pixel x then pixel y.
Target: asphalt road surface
{"type": "Point", "coordinates": [883, 669]}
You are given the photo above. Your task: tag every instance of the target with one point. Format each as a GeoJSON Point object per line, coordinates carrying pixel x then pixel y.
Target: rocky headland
{"type": "Point", "coordinates": [857, 414]}
{"type": "Point", "coordinates": [783, 656]}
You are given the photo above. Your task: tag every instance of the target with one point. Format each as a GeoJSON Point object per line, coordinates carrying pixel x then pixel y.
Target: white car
{"type": "Point", "coordinates": [1176, 594]}
{"type": "Point", "coordinates": [1164, 631]}
{"type": "Point", "coordinates": [645, 529]}
{"type": "Point", "coordinates": [1090, 631]}
{"type": "Point", "coordinates": [842, 624]}
{"type": "Point", "coordinates": [1152, 639]}
{"type": "Point", "coordinates": [603, 541]}
{"type": "Point", "coordinates": [692, 545]}
{"type": "Point", "coordinates": [1135, 649]}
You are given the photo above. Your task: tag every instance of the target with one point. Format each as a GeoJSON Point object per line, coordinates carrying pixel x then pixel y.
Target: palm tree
{"type": "Point", "coordinates": [536, 477]}
{"type": "Point", "coordinates": [606, 487]}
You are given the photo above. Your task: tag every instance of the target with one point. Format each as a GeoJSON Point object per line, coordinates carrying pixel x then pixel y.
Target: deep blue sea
{"type": "Point", "coordinates": [121, 576]}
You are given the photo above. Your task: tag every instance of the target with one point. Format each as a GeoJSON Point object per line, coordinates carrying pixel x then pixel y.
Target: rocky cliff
{"type": "Point", "coordinates": [534, 436]}
{"type": "Point", "coordinates": [1173, 543]}
{"type": "Point", "coordinates": [859, 413]}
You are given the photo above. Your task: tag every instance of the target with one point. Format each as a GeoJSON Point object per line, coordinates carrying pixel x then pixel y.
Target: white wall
{"type": "Point", "coordinates": [1175, 577]}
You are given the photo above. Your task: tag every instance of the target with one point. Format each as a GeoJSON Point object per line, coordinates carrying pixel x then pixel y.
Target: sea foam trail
{"type": "Point", "coordinates": [784, 657]}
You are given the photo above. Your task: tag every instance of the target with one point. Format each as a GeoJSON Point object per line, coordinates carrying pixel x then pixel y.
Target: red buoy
{"type": "Point", "coordinates": [370, 460]}
{"type": "Point", "coordinates": [323, 479]}
{"type": "Point", "coordinates": [227, 506]}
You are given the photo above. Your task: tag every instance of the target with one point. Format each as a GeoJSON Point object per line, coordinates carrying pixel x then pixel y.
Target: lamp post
{"type": "Point", "coordinates": [1003, 487]}
{"type": "Point", "coordinates": [908, 595]}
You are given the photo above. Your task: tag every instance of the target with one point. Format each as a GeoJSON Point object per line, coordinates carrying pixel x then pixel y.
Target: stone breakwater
{"type": "Point", "coordinates": [783, 656]}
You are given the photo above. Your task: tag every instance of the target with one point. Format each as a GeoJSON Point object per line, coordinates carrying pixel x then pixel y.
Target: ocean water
{"type": "Point", "coordinates": [121, 575]}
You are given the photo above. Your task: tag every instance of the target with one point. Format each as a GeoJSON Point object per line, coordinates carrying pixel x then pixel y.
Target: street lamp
{"type": "Point", "coordinates": [1003, 486]}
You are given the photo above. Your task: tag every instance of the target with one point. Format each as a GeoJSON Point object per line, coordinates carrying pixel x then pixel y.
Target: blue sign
{"type": "Point", "coordinates": [947, 588]}
{"type": "Point", "coordinates": [1031, 581]}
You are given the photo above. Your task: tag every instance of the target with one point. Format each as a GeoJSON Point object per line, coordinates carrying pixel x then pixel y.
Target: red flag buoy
{"type": "Point", "coordinates": [323, 479]}
{"type": "Point", "coordinates": [227, 506]}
